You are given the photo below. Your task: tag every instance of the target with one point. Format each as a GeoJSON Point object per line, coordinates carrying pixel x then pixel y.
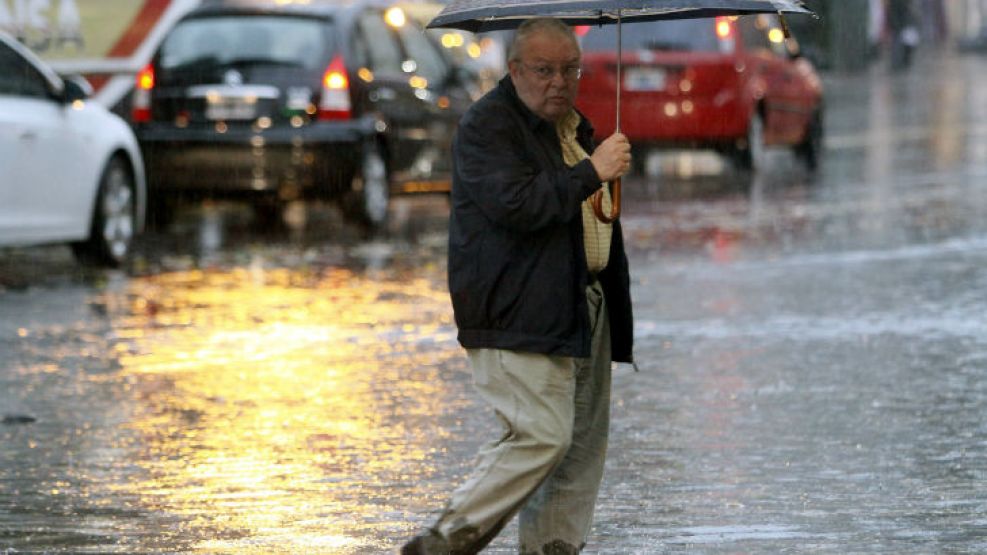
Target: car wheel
{"type": "Point", "coordinates": [810, 149]}
{"type": "Point", "coordinates": [750, 154]}
{"type": "Point", "coordinates": [160, 212]}
{"type": "Point", "coordinates": [113, 227]}
{"type": "Point", "coordinates": [368, 199]}
{"type": "Point", "coordinates": [268, 212]}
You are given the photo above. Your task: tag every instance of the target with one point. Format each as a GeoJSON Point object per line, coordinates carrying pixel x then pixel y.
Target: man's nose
{"type": "Point", "coordinates": [558, 78]}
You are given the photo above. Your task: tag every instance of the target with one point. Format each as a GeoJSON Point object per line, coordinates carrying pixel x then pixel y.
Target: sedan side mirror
{"type": "Point", "coordinates": [76, 88]}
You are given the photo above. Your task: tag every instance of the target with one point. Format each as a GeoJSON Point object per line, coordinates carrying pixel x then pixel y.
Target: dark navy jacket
{"type": "Point", "coordinates": [517, 265]}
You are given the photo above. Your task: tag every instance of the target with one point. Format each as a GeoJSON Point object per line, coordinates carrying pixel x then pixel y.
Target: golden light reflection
{"type": "Point", "coordinates": [275, 406]}
{"type": "Point", "coordinates": [395, 17]}
{"type": "Point", "coordinates": [452, 40]}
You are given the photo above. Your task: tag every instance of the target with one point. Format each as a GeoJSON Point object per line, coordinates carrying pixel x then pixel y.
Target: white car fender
{"type": "Point", "coordinates": [114, 137]}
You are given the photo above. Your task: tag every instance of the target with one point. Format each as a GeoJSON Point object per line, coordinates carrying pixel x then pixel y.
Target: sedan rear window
{"type": "Point", "coordinates": [291, 41]}
{"type": "Point", "coordinates": [695, 35]}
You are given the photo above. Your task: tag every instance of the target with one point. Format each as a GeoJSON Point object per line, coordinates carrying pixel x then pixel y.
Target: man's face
{"type": "Point", "coordinates": [547, 74]}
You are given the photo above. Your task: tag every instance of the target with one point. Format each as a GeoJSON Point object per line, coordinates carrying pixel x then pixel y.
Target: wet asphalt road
{"type": "Point", "coordinates": [813, 355]}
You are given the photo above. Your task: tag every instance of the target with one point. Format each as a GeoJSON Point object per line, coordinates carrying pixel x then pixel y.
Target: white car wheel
{"type": "Point", "coordinates": [113, 226]}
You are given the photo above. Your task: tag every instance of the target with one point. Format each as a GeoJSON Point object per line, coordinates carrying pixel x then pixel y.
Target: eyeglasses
{"type": "Point", "coordinates": [547, 72]}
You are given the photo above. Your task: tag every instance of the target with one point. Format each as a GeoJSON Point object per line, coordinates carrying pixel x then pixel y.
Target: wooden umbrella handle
{"type": "Point", "coordinates": [597, 202]}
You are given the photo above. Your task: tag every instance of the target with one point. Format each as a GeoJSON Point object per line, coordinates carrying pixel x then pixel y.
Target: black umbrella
{"type": "Point", "coordinates": [490, 15]}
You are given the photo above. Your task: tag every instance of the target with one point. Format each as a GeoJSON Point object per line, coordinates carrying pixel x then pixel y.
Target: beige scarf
{"type": "Point", "coordinates": [596, 234]}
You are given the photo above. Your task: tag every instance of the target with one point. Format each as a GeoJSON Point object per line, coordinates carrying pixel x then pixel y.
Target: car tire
{"type": "Point", "coordinates": [160, 211]}
{"type": "Point", "coordinates": [810, 149]}
{"type": "Point", "coordinates": [113, 226]}
{"type": "Point", "coordinates": [268, 212]}
{"type": "Point", "coordinates": [368, 200]}
{"type": "Point", "coordinates": [749, 155]}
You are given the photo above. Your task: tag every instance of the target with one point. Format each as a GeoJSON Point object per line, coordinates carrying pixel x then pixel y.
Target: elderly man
{"type": "Point", "coordinates": [540, 291]}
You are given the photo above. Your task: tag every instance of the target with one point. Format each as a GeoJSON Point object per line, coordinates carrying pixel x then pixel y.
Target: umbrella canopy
{"type": "Point", "coordinates": [490, 15]}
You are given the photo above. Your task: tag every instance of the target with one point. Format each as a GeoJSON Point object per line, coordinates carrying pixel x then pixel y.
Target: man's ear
{"type": "Point", "coordinates": [512, 68]}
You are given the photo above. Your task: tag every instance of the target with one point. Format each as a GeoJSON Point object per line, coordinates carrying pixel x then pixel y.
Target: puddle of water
{"type": "Point", "coordinates": [250, 410]}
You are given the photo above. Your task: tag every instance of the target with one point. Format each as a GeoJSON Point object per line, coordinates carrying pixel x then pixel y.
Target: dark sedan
{"type": "Point", "coordinates": [272, 101]}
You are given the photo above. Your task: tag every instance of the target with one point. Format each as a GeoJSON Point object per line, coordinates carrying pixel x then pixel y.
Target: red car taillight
{"type": "Point", "coordinates": [335, 103]}
{"type": "Point", "coordinates": [141, 112]}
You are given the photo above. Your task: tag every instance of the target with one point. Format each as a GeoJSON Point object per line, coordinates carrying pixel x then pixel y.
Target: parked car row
{"type": "Point", "coordinates": [352, 102]}
{"type": "Point", "coordinates": [262, 100]}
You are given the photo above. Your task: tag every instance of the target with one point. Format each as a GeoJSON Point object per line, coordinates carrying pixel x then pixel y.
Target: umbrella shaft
{"type": "Point", "coordinates": [620, 77]}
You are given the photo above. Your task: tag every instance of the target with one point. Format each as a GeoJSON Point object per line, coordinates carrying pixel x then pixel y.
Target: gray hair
{"type": "Point", "coordinates": [537, 25]}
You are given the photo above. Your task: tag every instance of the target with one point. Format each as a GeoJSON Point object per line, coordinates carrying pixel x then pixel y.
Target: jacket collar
{"type": "Point", "coordinates": [506, 85]}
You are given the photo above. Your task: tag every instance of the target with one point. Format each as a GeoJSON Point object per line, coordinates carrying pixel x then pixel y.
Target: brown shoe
{"type": "Point", "coordinates": [429, 543]}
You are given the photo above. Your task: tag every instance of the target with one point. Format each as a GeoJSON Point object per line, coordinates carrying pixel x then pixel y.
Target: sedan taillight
{"type": "Point", "coordinates": [141, 112]}
{"type": "Point", "coordinates": [335, 103]}
{"type": "Point", "coordinates": [726, 31]}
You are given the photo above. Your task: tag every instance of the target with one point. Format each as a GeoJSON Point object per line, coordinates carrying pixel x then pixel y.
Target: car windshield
{"type": "Point", "coordinates": [696, 35]}
{"type": "Point", "coordinates": [291, 41]}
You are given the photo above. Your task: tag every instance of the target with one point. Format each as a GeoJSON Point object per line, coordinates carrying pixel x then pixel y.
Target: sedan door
{"type": "Point", "coordinates": [44, 193]}
{"type": "Point", "coordinates": [399, 93]}
{"type": "Point", "coordinates": [787, 111]}
{"type": "Point", "coordinates": [444, 99]}
{"type": "Point", "coordinates": [388, 93]}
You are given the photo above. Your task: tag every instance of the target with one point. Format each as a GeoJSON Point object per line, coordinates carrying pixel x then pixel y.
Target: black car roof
{"type": "Point", "coordinates": [312, 8]}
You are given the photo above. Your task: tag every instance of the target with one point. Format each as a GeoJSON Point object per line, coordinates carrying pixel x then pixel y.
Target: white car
{"type": "Point", "coordinates": [70, 170]}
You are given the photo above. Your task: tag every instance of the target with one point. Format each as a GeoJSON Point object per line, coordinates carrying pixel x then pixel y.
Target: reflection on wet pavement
{"type": "Point", "coordinates": [250, 409]}
{"type": "Point", "coordinates": [264, 393]}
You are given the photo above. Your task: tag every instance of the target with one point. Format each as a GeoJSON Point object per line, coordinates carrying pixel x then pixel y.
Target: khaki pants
{"type": "Point", "coordinates": [549, 462]}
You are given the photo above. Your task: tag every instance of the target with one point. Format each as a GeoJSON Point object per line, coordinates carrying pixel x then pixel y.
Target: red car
{"type": "Point", "coordinates": [731, 84]}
